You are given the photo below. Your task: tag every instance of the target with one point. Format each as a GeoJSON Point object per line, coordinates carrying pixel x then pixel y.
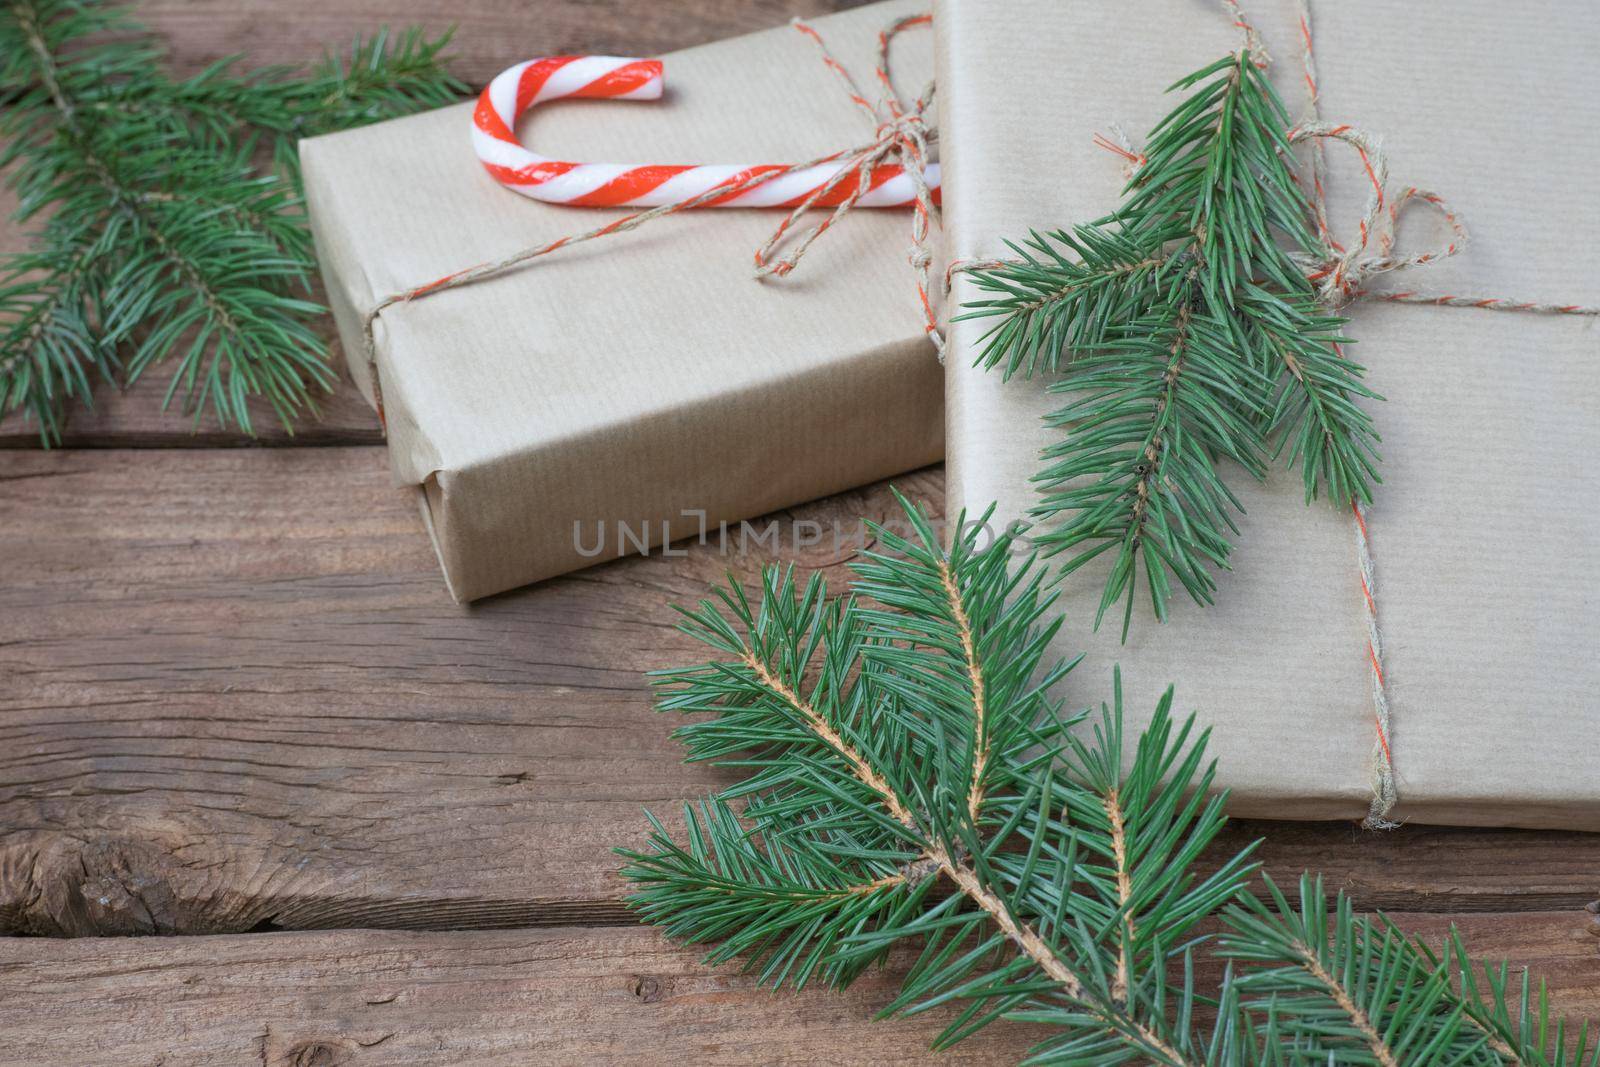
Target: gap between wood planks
{"type": "Point", "coordinates": [567, 996]}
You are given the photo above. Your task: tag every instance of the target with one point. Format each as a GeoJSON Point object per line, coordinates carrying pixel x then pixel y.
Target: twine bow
{"type": "Point", "coordinates": [1341, 274]}
{"type": "Point", "coordinates": [901, 133]}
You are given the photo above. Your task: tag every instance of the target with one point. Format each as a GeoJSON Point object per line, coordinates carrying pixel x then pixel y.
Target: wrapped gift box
{"type": "Point", "coordinates": [643, 383]}
{"type": "Point", "coordinates": [1486, 529]}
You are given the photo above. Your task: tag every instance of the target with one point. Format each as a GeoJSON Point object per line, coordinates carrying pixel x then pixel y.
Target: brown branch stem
{"type": "Point", "coordinates": [1119, 857]}
{"type": "Point", "coordinates": [28, 20]}
{"type": "Point", "coordinates": [1369, 1033]}
{"type": "Point", "coordinates": [1058, 294]}
{"type": "Point", "coordinates": [969, 651]}
{"type": "Point", "coordinates": [1152, 449]}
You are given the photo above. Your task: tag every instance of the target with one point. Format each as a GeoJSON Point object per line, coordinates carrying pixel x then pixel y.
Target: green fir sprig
{"type": "Point", "coordinates": [168, 215]}
{"type": "Point", "coordinates": [911, 782]}
{"type": "Point", "coordinates": [1185, 338]}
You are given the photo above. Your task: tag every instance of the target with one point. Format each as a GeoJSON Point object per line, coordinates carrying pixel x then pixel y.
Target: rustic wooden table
{"type": "Point", "coordinates": [238, 707]}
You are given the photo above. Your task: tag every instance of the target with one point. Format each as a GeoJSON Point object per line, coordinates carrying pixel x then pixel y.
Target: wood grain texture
{"type": "Point", "coordinates": [490, 35]}
{"type": "Point", "coordinates": [236, 695]}
{"type": "Point", "coordinates": [359, 999]}
{"type": "Point", "coordinates": [136, 416]}
{"type": "Point", "coordinates": [571, 996]}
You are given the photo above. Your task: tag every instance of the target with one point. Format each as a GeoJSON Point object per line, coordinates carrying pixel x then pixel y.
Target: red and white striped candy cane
{"type": "Point", "coordinates": [641, 185]}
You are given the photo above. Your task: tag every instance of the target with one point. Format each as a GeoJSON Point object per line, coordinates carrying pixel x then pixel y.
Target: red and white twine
{"type": "Point", "coordinates": [1384, 791]}
{"type": "Point", "coordinates": [890, 170]}
{"type": "Point", "coordinates": [1341, 276]}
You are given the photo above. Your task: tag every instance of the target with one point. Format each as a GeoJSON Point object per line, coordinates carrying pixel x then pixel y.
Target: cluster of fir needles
{"type": "Point", "coordinates": [167, 213]}
{"type": "Point", "coordinates": [1184, 336]}
{"type": "Point", "coordinates": [911, 784]}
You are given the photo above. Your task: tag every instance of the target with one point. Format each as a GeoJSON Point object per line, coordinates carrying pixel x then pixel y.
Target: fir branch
{"type": "Point", "coordinates": [1198, 263]}
{"type": "Point", "coordinates": [1069, 894]}
{"type": "Point", "coordinates": [47, 352]}
{"type": "Point", "coordinates": [1316, 419]}
{"type": "Point", "coordinates": [1216, 168]}
{"type": "Point", "coordinates": [1514, 1019]}
{"type": "Point", "coordinates": [905, 734]}
{"type": "Point", "coordinates": [197, 252]}
{"type": "Point", "coordinates": [383, 77]}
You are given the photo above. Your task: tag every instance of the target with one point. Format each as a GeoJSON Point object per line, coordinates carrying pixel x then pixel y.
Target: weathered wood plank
{"type": "Point", "coordinates": [350, 999]}
{"type": "Point", "coordinates": [490, 35]}
{"type": "Point", "coordinates": [233, 692]}
{"type": "Point", "coordinates": [137, 417]}
{"type": "Point", "coordinates": [236, 695]}
{"type": "Point", "coordinates": [1432, 868]}
{"type": "Point", "coordinates": [237, 692]}
{"type": "Point", "coordinates": [570, 996]}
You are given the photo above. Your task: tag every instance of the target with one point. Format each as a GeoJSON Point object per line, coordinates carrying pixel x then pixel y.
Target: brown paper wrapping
{"type": "Point", "coordinates": [642, 376]}
{"type": "Point", "coordinates": [1486, 530]}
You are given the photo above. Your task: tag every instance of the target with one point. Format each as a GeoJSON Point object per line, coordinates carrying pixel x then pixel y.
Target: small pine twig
{"type": "Point", "coordinates": [1196, 260]}
{"type": "Point", "coordinates": [162, 237]}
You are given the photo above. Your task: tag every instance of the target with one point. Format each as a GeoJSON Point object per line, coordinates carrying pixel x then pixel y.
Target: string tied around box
{"type": "Point", "coordinates": [890, 170]}
{"type": "Point", "coordinates": [1341, 275]}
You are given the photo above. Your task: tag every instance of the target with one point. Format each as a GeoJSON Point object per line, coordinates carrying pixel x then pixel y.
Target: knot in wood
{"type": "Point", "coordinates": [65, 885]}
{"type": "Point", "coordinates": [648, 989]}
{"type": "Point", "coordinates": [318, 1053]}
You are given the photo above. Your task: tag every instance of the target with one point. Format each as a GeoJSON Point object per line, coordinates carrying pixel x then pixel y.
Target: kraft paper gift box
{"type": "Point", "coordinates": [644, 379]}
{"type": "Point", "coordinates": [1485, 531]}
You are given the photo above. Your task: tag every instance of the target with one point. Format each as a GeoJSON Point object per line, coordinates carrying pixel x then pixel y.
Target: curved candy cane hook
{"type": "Point", "coordinates": [639, 185]}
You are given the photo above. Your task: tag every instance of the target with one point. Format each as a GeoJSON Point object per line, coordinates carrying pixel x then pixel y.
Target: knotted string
{"type": "Point", "coordinates": [901, 133]}
{"type": "Point", "coordinates": [1341, 275]}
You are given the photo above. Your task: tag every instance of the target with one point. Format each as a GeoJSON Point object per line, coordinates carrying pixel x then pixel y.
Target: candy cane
{"type": "Point", "coordinates": [640, 185]}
